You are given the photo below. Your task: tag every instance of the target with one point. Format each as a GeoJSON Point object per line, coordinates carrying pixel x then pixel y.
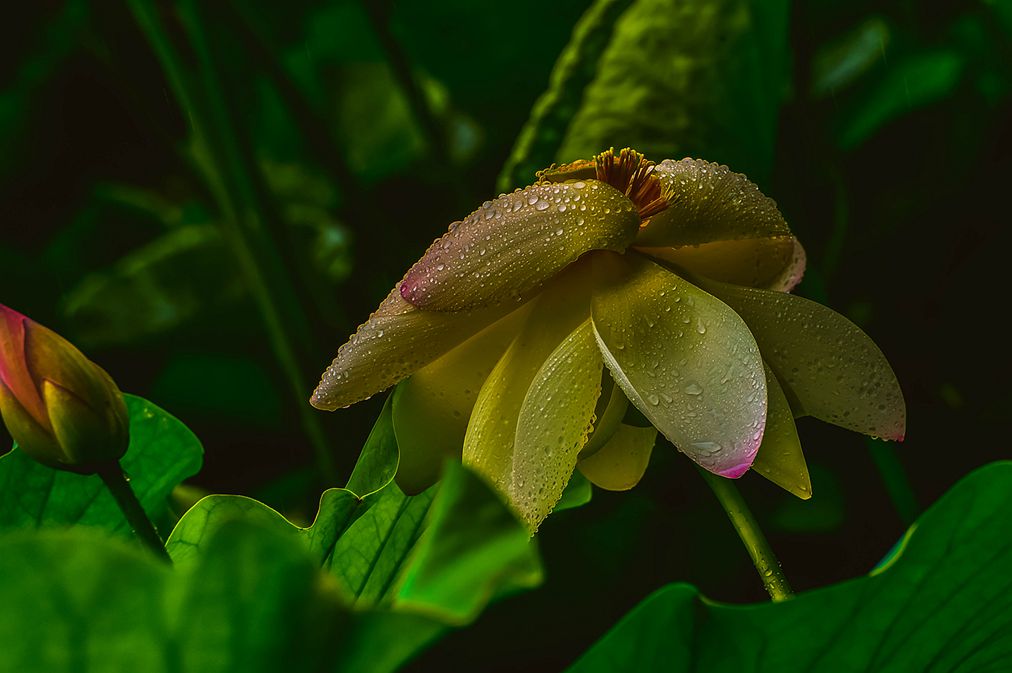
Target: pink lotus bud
{"type": "Point", "coordinates": [61, 408]}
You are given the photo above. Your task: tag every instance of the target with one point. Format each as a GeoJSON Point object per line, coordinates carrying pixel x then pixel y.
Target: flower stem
{"type": "Point", "coordinates": [114, 479]}
{"type": "Point", "coordinates": [895, 478]}
{"type": "Point", "coordinates": [745, 524]}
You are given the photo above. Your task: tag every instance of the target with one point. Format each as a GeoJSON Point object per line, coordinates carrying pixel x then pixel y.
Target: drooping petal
{"type": "Point", "coordinates": [774, 263]}
{"type": "Point", "coordinates": [397, 340]}
{"type": "Point", "coordinates": [432, 407]}
{"type": "Point", "coordinates": [780, 458]}
{"type": "Point", "coordinates": [555, 419]}
{"type": "Point", "coordinates": [824, 361]}
{"type": "Point", "coordinates": [511, 246]}
{"type": "Point", "coordinates": [709, 203]}
{"type": "Point", "coordinates": [684, 359]}
{"type": "Point", "coordinates": [611, 408]}
{"type": "Point", "coordinates": [620, 463]}
{"type": "Point", "coordinates": [491, 432]}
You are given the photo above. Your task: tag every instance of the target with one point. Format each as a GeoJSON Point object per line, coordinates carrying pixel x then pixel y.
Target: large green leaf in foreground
{"type": "Point", "coordinates": [249, 594]}
{"type": "Point", "coordinates": [941, 602]}
{"type": "Point", "coordinates": [408, 567]}
{"type": "Point", "coordinates": [162, 453]}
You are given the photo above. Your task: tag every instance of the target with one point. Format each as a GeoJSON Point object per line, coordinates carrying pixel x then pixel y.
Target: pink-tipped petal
{"type": "Point", "coordinates": [684, 359]}
{"type": "Point", "coordinates": [14, 366]}
{"type": "Point", "coordinates": [512, 245]}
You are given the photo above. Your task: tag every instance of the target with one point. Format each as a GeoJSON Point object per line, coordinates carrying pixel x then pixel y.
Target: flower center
{"type": "Point", "coordinates": [627, 171]}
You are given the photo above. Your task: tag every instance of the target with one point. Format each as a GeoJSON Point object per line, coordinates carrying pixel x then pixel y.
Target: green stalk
{"type": "Point", "coordinates": [114, 479]}
{"type": "Point", "coordinates": [242, 202]}
{"type": "Point", "coordinates": [895, 477]}
{"type": "Point", "coordinates": [745, 524]}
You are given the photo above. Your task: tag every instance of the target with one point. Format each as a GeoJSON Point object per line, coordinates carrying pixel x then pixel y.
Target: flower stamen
{"type": "Point", "coordinates": [633, 174]}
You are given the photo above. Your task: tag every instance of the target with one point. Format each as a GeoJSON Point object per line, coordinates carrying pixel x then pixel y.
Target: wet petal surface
{"type": "Point", "coordinates": [710, 203]}
{"type": "Point", "coordinates": [432, 407]}
{"type": "Point", "coordinates": [555, 420]}
{"type": "Point", "coordinates": [620, 463]}
{"type": "Point", "coordinates": [492, 431]}
{"type": "Point", "coordinates": [780, 458]}
{"type": "Point", "coordinates": [397, 340]}
{"type": "Point", "coordinates": [824, 361]}
{"type": "Point", "coordinates": [511, 246]}
{"type": "Point", "coordinates": [775, 263]}
{"type": "Point", "coordinates": [684, 359]}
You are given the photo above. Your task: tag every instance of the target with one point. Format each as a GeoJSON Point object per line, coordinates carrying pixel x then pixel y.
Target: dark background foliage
{"type": "Point", "coordinates": [364, 129]}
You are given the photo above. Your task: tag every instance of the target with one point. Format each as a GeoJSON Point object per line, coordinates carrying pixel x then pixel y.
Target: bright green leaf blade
{"type": "Point", "coordinates": [93, 603]}
{"type": "Point", "coordinates": [513, 245]}
{"type": "Point", "coordinates": [385, 553]}
{"type": "Point", "coordinates": [689, 78]}
{"type": "Point", "coordinates": [578, 492]}
{"type": "Point", "coordinates": [684, 359]}
{"type": "Point", "coordinates": [556, 417]}
{"type": "Point", "coordinates": [942, 603]}
{"type": "Point", "coordinates": [255, 601]}
{"type": "Point", "coordinates": [276, 613]}
{"type": "Point", "coordinates": [162, 453]}
{"type": "Point", "coordinates": [824, 361]}
{"type": "Point", "coordinates": [473, 551]}
{"type": "Point", "coordinates": [780, 458]}
{"type": "Point", "coordinates": [377, 462]}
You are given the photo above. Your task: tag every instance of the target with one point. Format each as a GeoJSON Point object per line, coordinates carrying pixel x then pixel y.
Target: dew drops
{"type": "Point", "coordinates": [693, 389]}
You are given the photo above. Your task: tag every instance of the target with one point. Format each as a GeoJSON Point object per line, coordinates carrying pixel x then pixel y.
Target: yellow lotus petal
{"type": "Point", "coordinates": [780, 458]}
{"type": "Point", "coordinates": [684, 359]}
{"type": "Point", "coordinates": [775, 263]}
{"type": "Point", "coordinates": [824, 361]}
{"type": "Point", "coordinates": [709, 203]}
{"type": "Point", "coordinates": [620, 463]}
{"type": "Point", "coordinates": [397, 340]}
{"type": "Point", "coordinates": [555, 420]}
{"type": "Point", "coordinates": [492, 430]}
{"type": "Point", "coordinates": [432, 407]}
{"type": "Point", "coordinates": [511, 246]}
{"type": "Point", "coordinates": [611, 409]}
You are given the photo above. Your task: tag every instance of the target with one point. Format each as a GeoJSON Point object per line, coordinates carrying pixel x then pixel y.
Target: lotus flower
{"type": "Point", "coordinates": [527, 338]}
{"type": "Point", "coordinates": [61, 408]}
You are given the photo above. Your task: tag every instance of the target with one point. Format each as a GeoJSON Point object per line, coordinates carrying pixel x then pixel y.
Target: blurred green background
{"type": "Point", "coordinates": [325, 144]}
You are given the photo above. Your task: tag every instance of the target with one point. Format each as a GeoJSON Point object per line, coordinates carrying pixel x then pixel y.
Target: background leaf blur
{"type": "Point", "coordinates": [325, 143]}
